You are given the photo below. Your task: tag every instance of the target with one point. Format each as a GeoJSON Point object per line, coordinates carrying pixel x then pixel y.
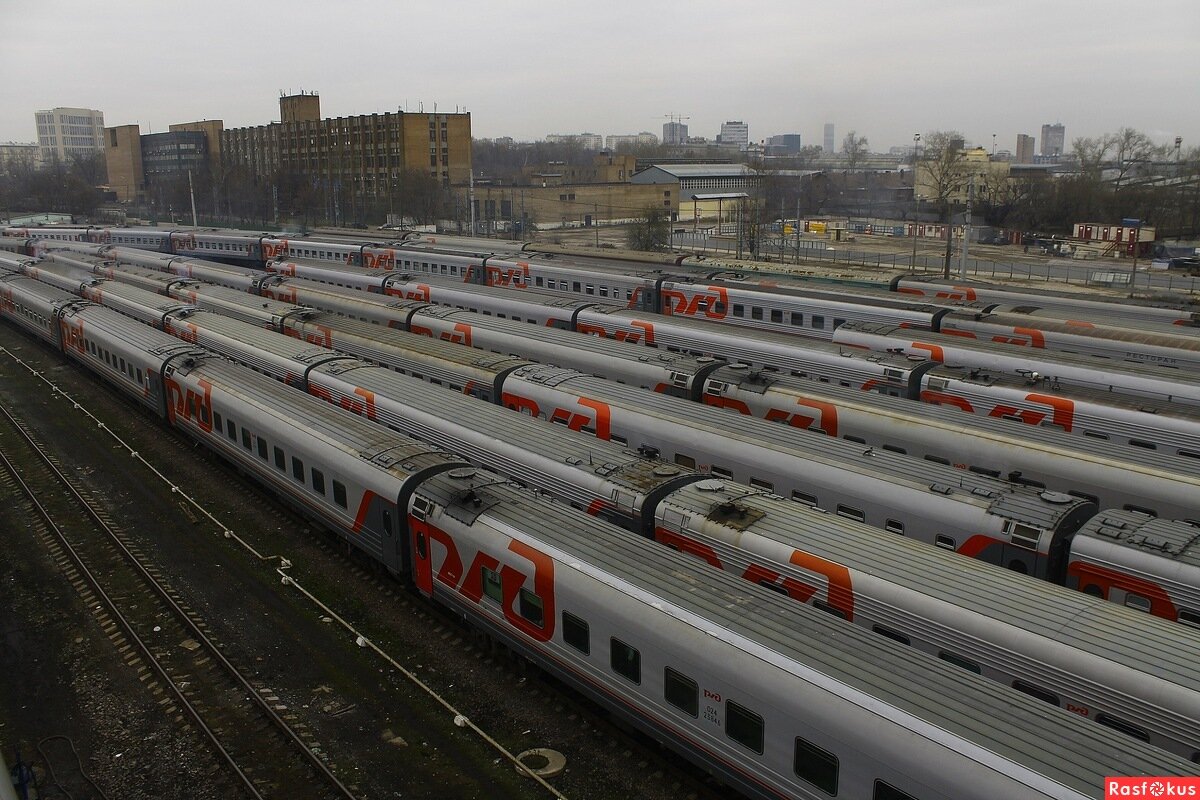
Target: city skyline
{"type": "Point", "coordinates": [886, 73]}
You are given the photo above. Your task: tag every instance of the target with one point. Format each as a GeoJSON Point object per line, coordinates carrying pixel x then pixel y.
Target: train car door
{"type": "Point", "coordinates": [422, 566]}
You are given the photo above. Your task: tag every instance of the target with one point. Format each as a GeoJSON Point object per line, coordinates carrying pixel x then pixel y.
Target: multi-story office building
{"type": "Point", "coordinates": [615, 140]}
{"type": "Point", "coordinates": [588, 141]}
{"type": "Point", "coordinates": [1053, 139]}
{"type": "Point", "coordinates": [1024, 154]}
{"type": "Point", "coordinates": [136, 163]}
{"type": "Point", "coordinates": [828, 145]}
{"type": "Point", "coordinates": [20, 153]}
{"type": "Point", "coordinates": [785, 144]}
{"type": "Point", "coordinates": [735, 134]}
{"type": "Point", "coordinates": [365, 155]}
{"type": "Point", "coordinates": [675, 133]}
{"type": "Point", "coordinates": [67, 132]}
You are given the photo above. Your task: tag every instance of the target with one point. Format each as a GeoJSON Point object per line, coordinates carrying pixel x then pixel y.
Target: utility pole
{"type": "Point", "coordinates": [916, 197]}
{"type": "Point", "coordinates": [471, 200]}
{"type": "Point", "coordinates": [192, 192]}
{"type": "Point", "coordinates": [966, 239]}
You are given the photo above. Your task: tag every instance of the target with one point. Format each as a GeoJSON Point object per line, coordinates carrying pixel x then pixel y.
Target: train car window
{"type": "Point", "coordinates": [851, 513]}
{"type": "Point", "coordinates": [575, 632]}
{"type": "Point", "coordinates": [280, 460]}
{"type": "Point", "coordinates": [297, 469]}
{"type": "Point", "coordinates": [802, 497]}
{"type": "Point", "coordinates": [885, 791]}
{"type": "Point", "coordinates": [681, 692]}
{"type": "Point", "coordinates": [828, 609]}
{"type": "Point", "coordinates": [1122, 726]}
{"type": "Point", "coordinates": [893, 449]}
{"type": "Point", "coordinates": [890, 634]}
{"type": "Point", "coordinates": [837, 323]}
{"type": "Point", "coordinates": [1188, 617]}
{"type": "Point", "coordinates": [1188, 453]}
{"type": "Point", "coordinates": [575, 286]}
{"type": "Point", "coordinates": [626, 661]}
{"type": "Point", "coordinates": [1095, 434]}
{"type": "Point", "coordinates": [959, 661]}
{"type": "Point", "coordinates": [816, 766]}
{"type": "Point", "coordinates": [218, 424]}
{"type": "Point", "coordinates": [262, 447]}
{"type": "Point", "coordinates": [589, 289]}
{"type": "Point", "coordinates": [756, 312]}
{"type": "Point", "coordinates": [818, 322]}
{"type": "Point", "coordinates": [894, 526]}
{"type": "Point", "coordinates": [123, 369]}
{"type": "Point", "coordinates": [720, 472]}
{"type": "Point", "coordinates": [139, 378]}
{"type": "Point", "coordinates": [942, 540]}
{"type": "Point", "coordinates": [1035, 691]}
{"type": "Point", "coordinates": [858, 439]}
{"type": "Point", "coordinates": [1143, 443]}
{"type": "Point", "coordinates": [318, 481]}
{"type": "Point", "coordinates": [1139, 510]}
{"type": "Point", "coordinates": [1023, 481]}
{"type": "Point", "coordinates": [685, 461]}
{"type": "Point", "coordinates": [739, 310]}
{"type": "Point", "coordinates": [530, 607]}
{"type": "Point", "coordinates": [744, 726]}
{"type": "Point", "coordinates": [776, 315]}
{"type": "Point", "coordinates": [761, 484]}
{"type": "Point", "coordinates": [245, 438]}
{"type": "Point", "coordinates": [994, 473]}
{"type": "Point", "coordinates": [491, 584]}
{"type": "Point", "coordinates": [231, 430]}
{"type": "Point", "coordinates": [797, 318]}
{"type": "Point", "coordinates": [938, 460]}
{"type": "Point", "coordinates": [537, 281]}
{"type": "Point", "coordinates": [339, 493]}
{"type": "Point", "coordinates": [1137, 602]}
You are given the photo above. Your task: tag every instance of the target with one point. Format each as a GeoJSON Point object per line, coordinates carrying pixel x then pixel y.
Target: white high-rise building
{"type": "Point", "coordinates": [66, 132]}
{"type": "Point", "coordinates": [828, 146]}
{"type": "Point", "coordinates": [735, 134]}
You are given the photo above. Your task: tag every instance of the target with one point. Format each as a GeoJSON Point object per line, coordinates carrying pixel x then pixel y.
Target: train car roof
{"type": "Point", "coordinates": [780, 634]}
{"type": "Point", "coordinates": [1173, 539]}
{"type": "Point", "coordinates": [1041, 437]}
{"type": "Point", "coordinates": [1080, 360]}
{"type": "Point", "coordinates": [1040, 509]}
{"type": "Point", "coordinates": [1107, 630]}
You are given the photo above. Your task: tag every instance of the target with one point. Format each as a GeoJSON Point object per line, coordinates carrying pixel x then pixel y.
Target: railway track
{"type": "Point", "coordinates": [265, 754]}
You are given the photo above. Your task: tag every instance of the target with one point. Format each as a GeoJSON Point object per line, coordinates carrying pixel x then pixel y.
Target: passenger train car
{"type": "Point", "coordinates": [1173, 385]}
{"type": "Point", "coordinates": [619, 618]}
{"type": "Point", "coordinates": [898, 590]}
{"type": "Point", "coordinates": [1067, 306]}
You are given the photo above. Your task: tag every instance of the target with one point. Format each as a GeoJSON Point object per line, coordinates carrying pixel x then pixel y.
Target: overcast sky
{"type": "Point", "coordinates": [525, 68]}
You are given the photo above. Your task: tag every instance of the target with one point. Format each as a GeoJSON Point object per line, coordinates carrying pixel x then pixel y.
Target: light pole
{"type": "Point", "coordinates": [916, 197]}
{"type": "Point", "coordinates": [1179, 177]}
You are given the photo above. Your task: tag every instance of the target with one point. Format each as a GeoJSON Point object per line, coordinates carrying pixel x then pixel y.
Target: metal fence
{"type": "Point", "coordinates": [784, 251]}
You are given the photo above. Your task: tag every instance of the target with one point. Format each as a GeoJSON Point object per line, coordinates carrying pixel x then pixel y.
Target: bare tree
{"type": "Point", "coordinates": [856, 149]}
{"type": "Point", "coordinates": [941, 177]}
